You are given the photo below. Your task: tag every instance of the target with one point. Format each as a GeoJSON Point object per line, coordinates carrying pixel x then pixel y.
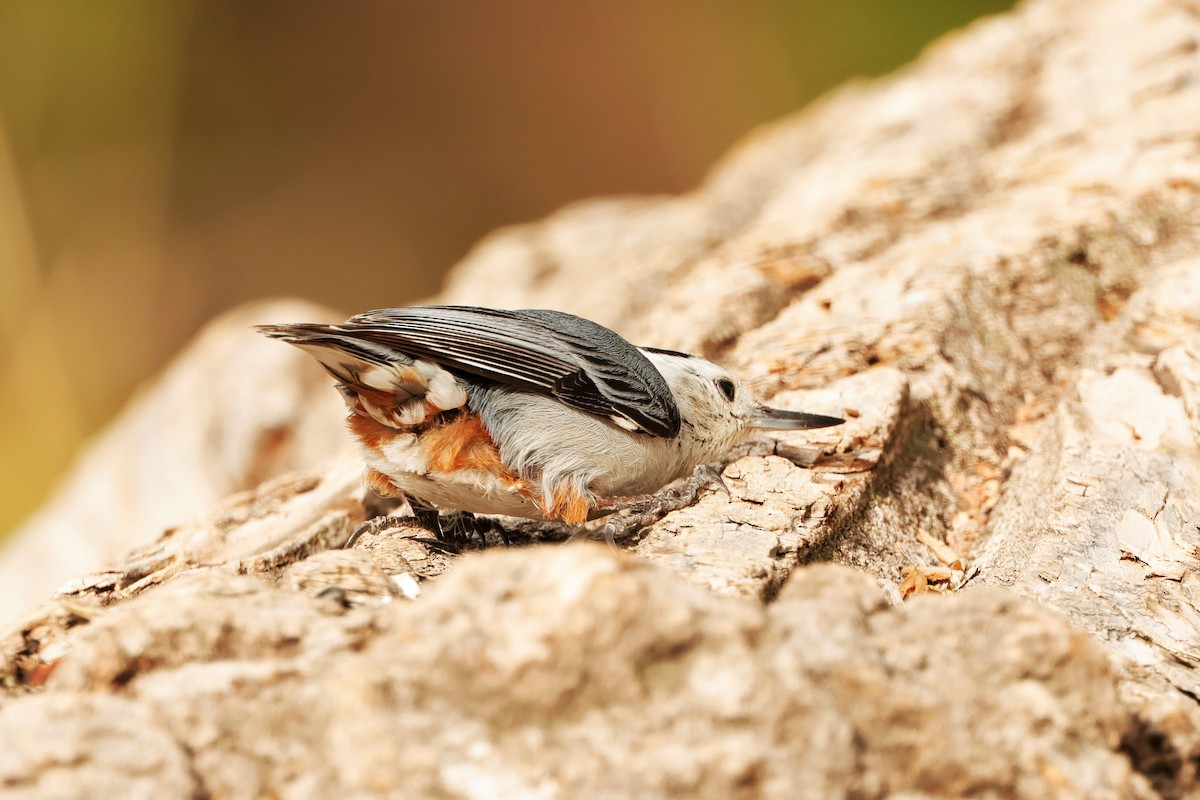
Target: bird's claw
{"type": "Point", "coordinates": [453, 532]}
{"type": "Point", "coordinates": [375, 525]}
{"type": "Point", "coordinates": [709, 475]}
{"type": "Point", "coordinates": [458, 529]}
{"type": "Point", "coordinates": [633, 514]}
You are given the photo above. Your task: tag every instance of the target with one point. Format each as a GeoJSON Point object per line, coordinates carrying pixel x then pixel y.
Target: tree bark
{"type": "Point", "coordinates": [989, 262]}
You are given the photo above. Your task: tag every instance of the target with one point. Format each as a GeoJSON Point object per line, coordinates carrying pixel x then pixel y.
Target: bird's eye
{"type": "Point", "coordinates": [726, 388]}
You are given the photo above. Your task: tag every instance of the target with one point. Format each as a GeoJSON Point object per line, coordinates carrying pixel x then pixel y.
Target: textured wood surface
{"type": "Point", "coordinates": [989, 262]}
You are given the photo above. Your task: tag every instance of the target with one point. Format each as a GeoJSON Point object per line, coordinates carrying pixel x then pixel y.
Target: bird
{"type": "Point", "coordinates": [532, 413]}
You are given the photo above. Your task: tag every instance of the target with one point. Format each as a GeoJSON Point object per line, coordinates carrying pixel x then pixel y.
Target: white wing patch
{"type": "Point", "coordinates": [625, 423]}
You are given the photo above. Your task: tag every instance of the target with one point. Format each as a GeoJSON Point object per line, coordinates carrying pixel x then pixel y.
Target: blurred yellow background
{"type": "Point", "coordinates": [161, 161]}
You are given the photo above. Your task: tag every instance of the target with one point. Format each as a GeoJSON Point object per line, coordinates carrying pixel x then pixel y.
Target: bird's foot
{"type": "Point", "coordinates": [630, 514]}
{"type": "Point", "coordinates": [462, 529]}
{"type": "Point", "coordinates": [453, 531]}
{"type": "Point", "coordinates": [704, 476]}
{"type": "Point", "coordinates": [456, 529]}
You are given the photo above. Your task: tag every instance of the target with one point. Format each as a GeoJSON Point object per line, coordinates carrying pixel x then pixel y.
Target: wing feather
{"type": "Point", "coordinates": [583, 364]}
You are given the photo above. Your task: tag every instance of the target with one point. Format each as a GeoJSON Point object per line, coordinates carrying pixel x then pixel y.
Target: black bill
{"type": "Point", "coordinates": [777, 419]}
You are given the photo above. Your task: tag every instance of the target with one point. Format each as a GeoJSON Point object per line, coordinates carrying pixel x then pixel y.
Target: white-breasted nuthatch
{"type": "Point", "coordinates": [531, 413]}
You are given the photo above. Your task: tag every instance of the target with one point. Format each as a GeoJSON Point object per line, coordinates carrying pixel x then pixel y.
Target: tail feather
{"type": "Point", "coordinates": [376, 380]}
{"type": "Point", "coordinates": [330, 344]}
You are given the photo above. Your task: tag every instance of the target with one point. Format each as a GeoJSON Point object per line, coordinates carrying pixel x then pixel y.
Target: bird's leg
{"type": "Point", "coordinates": [425, 515]}
{"type": "Point", "coordinates": [452, 531]}
{"type": "Point", "coordinates": [457, 529]}
{"type": "Point", "coordinates": [630, 514]}
{"type": "Point", "coordinates": [483, 525]}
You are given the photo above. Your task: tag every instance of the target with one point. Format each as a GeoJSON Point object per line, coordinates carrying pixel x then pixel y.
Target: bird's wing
{"type": "Point", "coordinates": [585, 365]}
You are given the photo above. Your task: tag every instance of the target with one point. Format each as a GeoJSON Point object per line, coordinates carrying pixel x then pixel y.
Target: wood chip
{"type": "Point", "coordinates": [913, 582]}
{"type": "Point", "coordinates": [942, 551]}
{"type": "Point", "coordinates": [917, 580]}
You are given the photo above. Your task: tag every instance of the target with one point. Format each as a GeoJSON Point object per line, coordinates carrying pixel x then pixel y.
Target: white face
{"type": "Point", "coordinates": [716, 407]}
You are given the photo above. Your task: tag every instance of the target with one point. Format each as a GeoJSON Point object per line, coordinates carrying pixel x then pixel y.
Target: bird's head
{"type": "Point", "coordinates": [717, 408]}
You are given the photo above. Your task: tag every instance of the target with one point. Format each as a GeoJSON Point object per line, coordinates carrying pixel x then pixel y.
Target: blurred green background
{"type": "Point", "coordinates": [163, 160]}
